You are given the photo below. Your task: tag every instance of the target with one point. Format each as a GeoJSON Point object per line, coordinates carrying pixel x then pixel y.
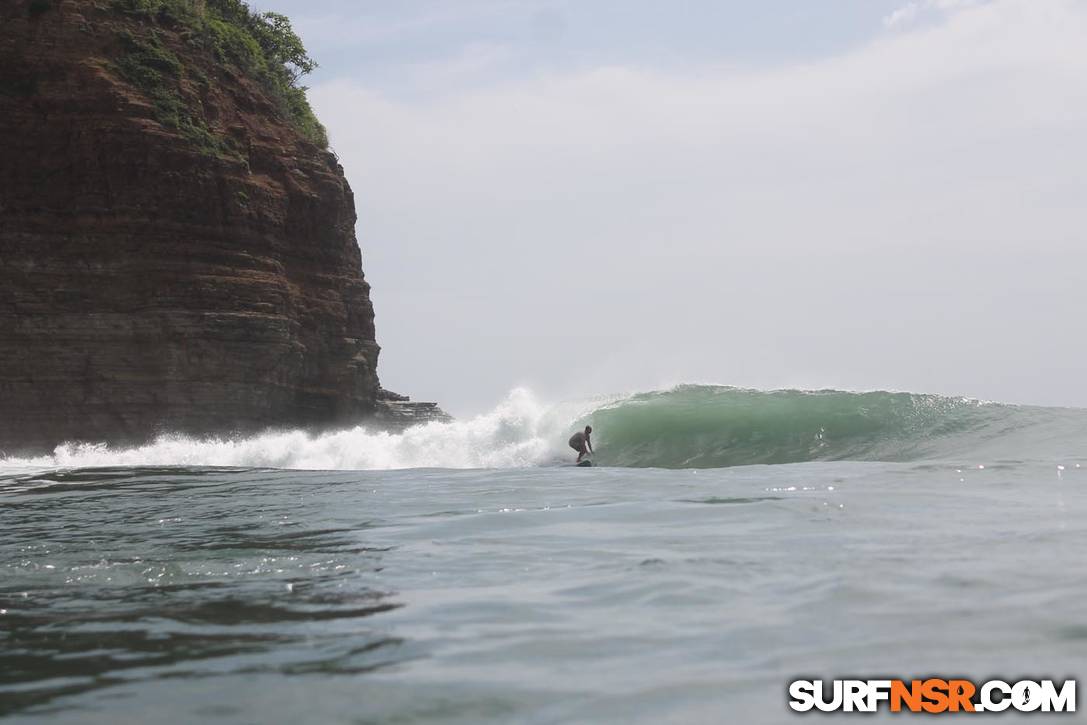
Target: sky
{"type": "Point", "coordinates": [614, 195]}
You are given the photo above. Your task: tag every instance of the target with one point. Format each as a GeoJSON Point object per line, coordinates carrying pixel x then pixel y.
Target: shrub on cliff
{"type": "Point", "coordinates": [155, 70]}
{"type": "Point", "coordinates": [262, 45]}
{"type": "Point", "coordinates": [38, 7]}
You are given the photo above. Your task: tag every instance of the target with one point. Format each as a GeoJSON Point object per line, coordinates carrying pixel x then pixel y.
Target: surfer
{"type": "Point", "coordinates": [580, 442]}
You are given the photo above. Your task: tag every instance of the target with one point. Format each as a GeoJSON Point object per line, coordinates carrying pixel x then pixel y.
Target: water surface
{"type": "Point", "coordinates": [548, 594]}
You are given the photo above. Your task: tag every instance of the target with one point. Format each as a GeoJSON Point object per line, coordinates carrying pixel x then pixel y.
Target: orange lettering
{"type": "Point", "coordinates": [911, 696]}
{"type": "Point", "coordinates": [935, 693]}
{"type": "Point", "coordinates": [959, 694]}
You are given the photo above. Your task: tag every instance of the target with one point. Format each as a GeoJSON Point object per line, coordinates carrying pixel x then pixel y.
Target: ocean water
{"type": "Point", "coordinates": [728, 542]}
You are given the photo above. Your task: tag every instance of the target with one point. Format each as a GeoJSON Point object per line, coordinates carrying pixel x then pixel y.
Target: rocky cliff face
{"type": "Point", "coordinates": [200, 277]}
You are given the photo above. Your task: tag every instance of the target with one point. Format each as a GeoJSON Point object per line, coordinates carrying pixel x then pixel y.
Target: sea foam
{"type": "Point", "coordinates": [519, 431]}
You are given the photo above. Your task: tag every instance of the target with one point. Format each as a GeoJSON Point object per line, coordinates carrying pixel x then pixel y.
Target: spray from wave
{"type": "Point", "coordinates": [520, 431]}
{"type": "Point", "coordinates": [690, 426]}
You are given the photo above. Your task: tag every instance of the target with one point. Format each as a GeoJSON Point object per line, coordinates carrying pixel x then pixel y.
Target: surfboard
{"type": "Point", "coordinates": [585, 464]}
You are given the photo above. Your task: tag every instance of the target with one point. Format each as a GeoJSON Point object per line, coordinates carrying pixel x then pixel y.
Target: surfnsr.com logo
{"type": "Point", "coordinates": [932, 696]}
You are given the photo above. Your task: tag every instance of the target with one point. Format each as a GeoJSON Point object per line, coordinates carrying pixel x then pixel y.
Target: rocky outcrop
{"type": "Point", "coordinates": [157, 278]}
{"type": "Point", "coordinates": [397, 412]}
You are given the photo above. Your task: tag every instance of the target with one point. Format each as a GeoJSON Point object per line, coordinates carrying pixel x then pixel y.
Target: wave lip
{"type": "Point", "coordinates": [689, 426]}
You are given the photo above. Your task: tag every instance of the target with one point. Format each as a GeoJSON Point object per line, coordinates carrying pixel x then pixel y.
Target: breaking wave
{"type": "Point", "coordinates": [696, 426]}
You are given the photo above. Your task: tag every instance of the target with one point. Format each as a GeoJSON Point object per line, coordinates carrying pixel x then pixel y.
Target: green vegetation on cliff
{"type": "Point", "coordinates": [155, 70]}
{"type": "Point", "coordinates": [263, 46]}
{"type": "Point", "coordinates": [38, 7]}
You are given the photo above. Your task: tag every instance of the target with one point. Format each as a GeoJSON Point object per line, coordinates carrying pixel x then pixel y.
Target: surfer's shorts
{"type": "Point", "coordinates": [579, 446]}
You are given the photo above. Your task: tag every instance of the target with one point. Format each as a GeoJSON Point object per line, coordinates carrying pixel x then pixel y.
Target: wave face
{"type": "Point", "coordinates": [690, 426]}
{"type": "Point", "coordinates": [701, 426]}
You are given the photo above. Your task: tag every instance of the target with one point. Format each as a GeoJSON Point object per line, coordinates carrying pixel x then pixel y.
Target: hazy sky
{"type": "Point", "coordinates": [605, 196]}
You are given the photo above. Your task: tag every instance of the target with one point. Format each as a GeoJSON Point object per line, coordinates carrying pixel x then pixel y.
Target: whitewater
{"type": "Point", "coordinates": [727, 542]}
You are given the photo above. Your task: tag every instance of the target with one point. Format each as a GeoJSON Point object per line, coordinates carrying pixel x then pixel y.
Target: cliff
{"type": "Point", "coordinates": [177, 249]}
